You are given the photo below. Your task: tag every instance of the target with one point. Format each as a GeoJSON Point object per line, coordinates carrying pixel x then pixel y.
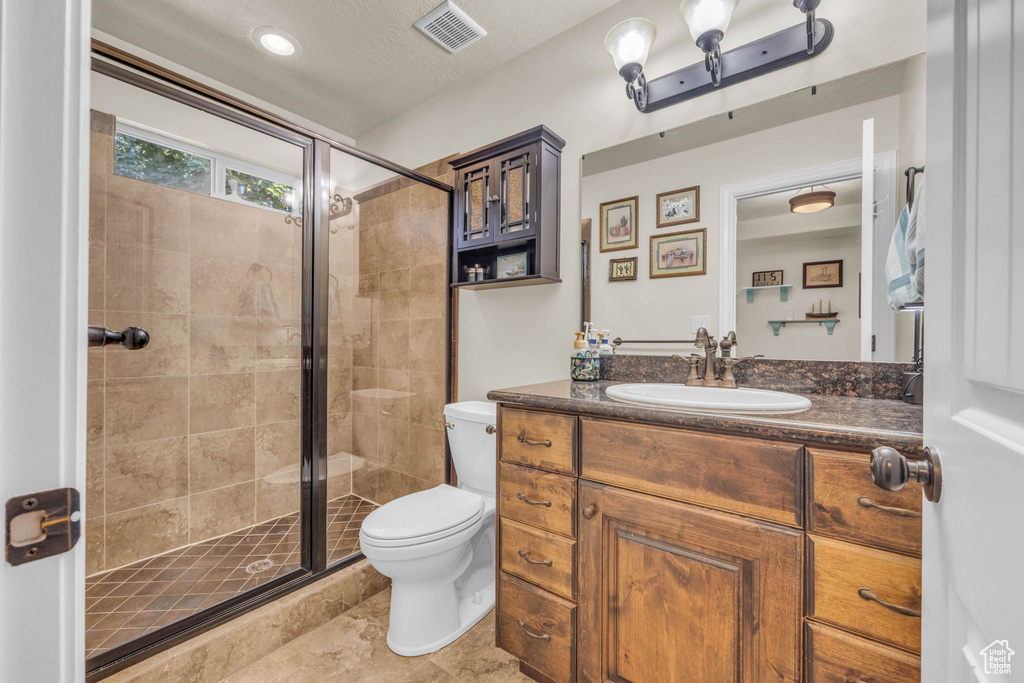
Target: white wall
{"type": "Point", "coordinates": [805, 342]}
{"type": "Point", "coordinates": [521, 335]}
{"type": "Point", "coordinates": [636, 310]}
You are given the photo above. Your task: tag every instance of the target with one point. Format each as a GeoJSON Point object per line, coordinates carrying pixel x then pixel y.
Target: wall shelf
{"type": "Point", "coordinates": [783, 291]}
{"type": "Point", "coordinates": [829, 323]}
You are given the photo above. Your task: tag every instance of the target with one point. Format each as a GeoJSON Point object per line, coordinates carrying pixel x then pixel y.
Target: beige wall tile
{"type": "Point", "coordinates": [427, 347]}
{"type": "Point", "coordinates": [426, 405]}
{"type": "Point", "coordinates": [278, 446]}
{"type": "Point", "coordinates": [392, 484]}
{"type": "Point", "coordinates": [392, 441]}
{"type": "Point", "coordinates": [220, 286]}
{"type": "Point", "coordinates": [221, 511]}
{"type": "Point", "coordinates": [218, 459]}
{"type": "Point", "coordinates": [146, 215]}
{"type": "Point", "coordinates": [219, 402]}
{"type": "Point", "coordinates": [428, 291]}
{"type": "Point", "coordinates": [146, 408]}
{"type": "Point", "coordinates": [97, 206]}
{"type": "Point", "coordinates": [95, 552]}
{"type": "Point", "coordinates": [150, 280]}
{"type": "Point", "coordinates": [146, 531]}
{"type": "Point", "coordinates": [278, 340]}
{"type": "Point", "coordinates": [394, 344]}
{"type": "Point", "coordinates": [424, 458]}
{"type": "Point", "coordinates": [339, 387]}
{"type": "Point", "coordinates": [218, 227]}
{"type": "Point", "coordinates": [97, 276]}
{"type": "Point", "coordinates": [275, 498]}
{"type": "Point", "coordinates": [364, 437]}
{"type": "Point", "coordinates": [222, 344]}
{"type": "Point", "coordinates": [166, 353]}
{"type": "Point", "coordinates": [144, 473]}
{"type": "Point", "coordinates": [277, 396]}
{"type": "Point", "coordinates": [95, 401]}
{"type": "Point", "coordinates": [339, 433]}
{"type": "Point", "coordinates": [94, 483]}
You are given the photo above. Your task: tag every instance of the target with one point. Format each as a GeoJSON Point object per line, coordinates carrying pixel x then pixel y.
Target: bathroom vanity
{"type": "Point", "coordinates": [638, 543]}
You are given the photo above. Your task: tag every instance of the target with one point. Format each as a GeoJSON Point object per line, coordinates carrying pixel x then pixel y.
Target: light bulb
{"type": "Point", "coordinates": [702, 16]}
{"type": "Point", "coordinates": [629, 42]}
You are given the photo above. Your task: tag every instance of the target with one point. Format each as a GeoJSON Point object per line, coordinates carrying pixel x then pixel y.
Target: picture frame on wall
{"type": "Point", "coordinates": [679, 207]}
{"type": "Point", "coordinates": [622, 269]}
{"type": "Point", "coordinates": [767, 278]}
{"type": "Point", "coordinates": [678, 254]}
{"type": "Point", "coordinates": [823, 274]}
{"type": "Point", "coordinates": [618, 224]}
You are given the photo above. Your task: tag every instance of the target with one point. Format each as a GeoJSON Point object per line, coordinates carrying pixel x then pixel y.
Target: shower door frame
{"type": "Point", "coordinates": [123, 66]}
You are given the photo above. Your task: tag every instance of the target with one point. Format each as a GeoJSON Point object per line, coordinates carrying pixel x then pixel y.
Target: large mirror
{"type": "Point", "coordinates": [773, 221]}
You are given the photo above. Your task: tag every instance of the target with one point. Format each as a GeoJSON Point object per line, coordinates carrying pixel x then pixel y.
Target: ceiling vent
{"type": "Point", "coordinates": [450, 27]}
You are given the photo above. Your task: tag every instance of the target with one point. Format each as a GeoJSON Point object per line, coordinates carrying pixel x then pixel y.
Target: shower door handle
{"type": "Point", "coordinates": [131, 338]}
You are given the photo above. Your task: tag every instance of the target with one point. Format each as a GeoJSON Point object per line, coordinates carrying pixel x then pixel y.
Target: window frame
{"type": "Point", "coordinates": [220, 163]}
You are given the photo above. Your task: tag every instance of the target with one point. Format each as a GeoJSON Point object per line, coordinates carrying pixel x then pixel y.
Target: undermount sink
{"type": "Point", "coordinates": [709, 398]}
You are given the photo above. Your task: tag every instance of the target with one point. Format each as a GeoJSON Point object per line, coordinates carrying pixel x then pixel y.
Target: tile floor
{"type": "Point", "coordinates": [352, 647]}
{"type": "Point", "coordinates": [131, 601]}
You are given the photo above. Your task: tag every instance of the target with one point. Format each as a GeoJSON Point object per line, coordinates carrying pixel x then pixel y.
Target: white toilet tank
{"type": "Point", "coordinates": [474, 450]}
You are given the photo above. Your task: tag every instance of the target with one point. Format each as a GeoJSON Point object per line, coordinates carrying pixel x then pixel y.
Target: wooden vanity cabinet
{"type": "Point", "coordinates": [632, 552]}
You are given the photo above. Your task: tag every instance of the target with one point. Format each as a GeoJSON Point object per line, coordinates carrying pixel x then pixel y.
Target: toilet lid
{"type": "Point", "coordinates": [442, 508]}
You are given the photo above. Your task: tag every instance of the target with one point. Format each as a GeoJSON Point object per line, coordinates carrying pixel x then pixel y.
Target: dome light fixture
{"type": "Point", "coordinates": [812, 202]}
{"type": "Point", "coordinates": [275, 41]}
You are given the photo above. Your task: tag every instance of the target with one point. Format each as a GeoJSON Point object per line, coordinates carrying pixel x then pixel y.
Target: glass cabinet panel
{"type": "Point", "coordinates": [476, 227]}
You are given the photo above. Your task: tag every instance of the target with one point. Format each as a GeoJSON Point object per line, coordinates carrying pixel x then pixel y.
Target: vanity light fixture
{"type": "Point", "coordinates": [812, 202]}
{"type": "Point", "coordinates": [275, 41]}
{"type": "Point", "coordinates": [630, 41]}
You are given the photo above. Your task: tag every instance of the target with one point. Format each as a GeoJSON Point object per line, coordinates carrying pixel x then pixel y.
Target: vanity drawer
{"type": "Point", "coordinates": [541, 499]}
{"type": "Point", "coordinates": [543, 440]}
{"type": "Point", "coordinates": [540, 557]}
{"type": "Point", "coordinates": [840, 574]}
{"type": "Point", "coordinates": [835, 656]}
{"type": "Point", "coordinates": [756, 478]}
{"type": "Point", "coordinates": [846, 504]}
{"type": "Point", "coordinates": [538, 628]}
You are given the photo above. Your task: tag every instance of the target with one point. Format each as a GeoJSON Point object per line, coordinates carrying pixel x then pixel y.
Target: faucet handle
{"type": "Point", "coordinates": [729, 379]}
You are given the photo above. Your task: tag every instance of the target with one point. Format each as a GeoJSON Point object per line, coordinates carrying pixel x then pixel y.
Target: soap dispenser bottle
{"type": "Point", "coordinates": [585, 364]}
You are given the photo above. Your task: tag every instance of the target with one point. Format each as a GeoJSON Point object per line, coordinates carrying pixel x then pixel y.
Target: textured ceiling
{"type": "Point", "coordinates": [362, 62]}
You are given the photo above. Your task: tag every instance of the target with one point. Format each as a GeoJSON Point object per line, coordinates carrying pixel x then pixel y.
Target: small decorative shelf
{"type": "Point", "coordinates": [829, 323]}
{"type": "Point", "coordinates": [783, 291]}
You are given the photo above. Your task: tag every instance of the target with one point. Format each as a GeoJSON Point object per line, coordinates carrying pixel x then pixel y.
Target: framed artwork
{"type": "Point", "coordinates": [677, 254]}
{"type": "Point", "coordinates": [513, 265]}
{"type": "Point", "coordinates": [620, 269]}
{"type": "Point", "coordinates": [821, 274]}
{"type": "Point", "coordinates": [618, 224]}
{"type": "Point", "coordinates": [767, 278]}
{"type": "Point", "coordinates": [679, 207]}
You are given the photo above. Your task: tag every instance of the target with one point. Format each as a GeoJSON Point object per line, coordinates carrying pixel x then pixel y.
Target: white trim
{"type": "Point", "coordinates": [794, 180]}
{"type": "Point", "coordinates": [867, 237]}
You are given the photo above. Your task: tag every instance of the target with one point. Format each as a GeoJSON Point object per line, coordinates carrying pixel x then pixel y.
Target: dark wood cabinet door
{"type": "Point", "coordinates": [477, 201]}
{"type": "Point", "coordinates": [674, 593]}
{"type": "Point", "coordinates": [516, 176]}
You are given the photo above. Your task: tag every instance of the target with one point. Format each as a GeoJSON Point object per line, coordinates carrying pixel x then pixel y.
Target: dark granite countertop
{"type": "Point", "coordinates": [843, 421]}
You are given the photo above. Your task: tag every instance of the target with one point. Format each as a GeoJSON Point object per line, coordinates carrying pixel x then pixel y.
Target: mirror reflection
{"type": "Point", "coordinates": [774, 222]}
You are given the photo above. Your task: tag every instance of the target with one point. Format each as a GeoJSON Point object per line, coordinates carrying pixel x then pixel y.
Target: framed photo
{"type": "Point", "coordinates": [821, 274]}
{"type": "Point", "coordinates": [620, 269]}
{"type": "Point", "coordinates": [618, 224]}
{"type": "Point", "coordinates": [513, 265]}
{"type": "Point", "coordinates": [679, 207]}
{"type": "Point", "coordinates": [677, 254]}
{"type": "Point", "coordinates": [767, 278]}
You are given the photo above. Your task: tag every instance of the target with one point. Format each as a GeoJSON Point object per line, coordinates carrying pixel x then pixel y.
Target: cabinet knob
{"type": "Point", "coordinates": [589, 512]}
{"type": "Point", "coordinates": [890, 470]}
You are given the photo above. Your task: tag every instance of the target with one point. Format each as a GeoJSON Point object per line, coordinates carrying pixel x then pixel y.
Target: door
{"type": "Point", "coordinates": [476, 201]}
{"type": "Point", "coordinates": [974, 376]}
{"type": "Point", "coordinates": [44, 95]}
{"type": "Point", "coordinates": [516, 175]}
{"type": "Point", "coordinates": [676, 593]}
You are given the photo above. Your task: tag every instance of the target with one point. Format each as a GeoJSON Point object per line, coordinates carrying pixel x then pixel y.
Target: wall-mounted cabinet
{"type": "Point", "coordinates": [507, 197]}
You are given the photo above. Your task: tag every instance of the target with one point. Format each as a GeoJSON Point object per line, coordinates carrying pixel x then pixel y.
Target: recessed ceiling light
{"type": "Point", "coordinates": [276, 41]}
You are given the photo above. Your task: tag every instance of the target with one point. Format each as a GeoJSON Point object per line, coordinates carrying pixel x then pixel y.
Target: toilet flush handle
{"type": "Point", "coordinates": [491, 429]}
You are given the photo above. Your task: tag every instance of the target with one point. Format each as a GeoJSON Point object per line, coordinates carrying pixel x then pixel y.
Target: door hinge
{"type": "Point", "coordinates": [42, 525]}
{"type": "Point", "coordinates": [872, 343]}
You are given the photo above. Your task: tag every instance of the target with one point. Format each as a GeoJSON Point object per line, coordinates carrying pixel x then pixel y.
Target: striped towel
{"type": "Point", "coordinates": [897, 266]}
{"type": "Point", "coordinates": [915, 242]}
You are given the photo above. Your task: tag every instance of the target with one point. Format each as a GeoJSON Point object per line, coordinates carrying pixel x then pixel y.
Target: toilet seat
{"type": "Point", "coordinates": [422, 517]}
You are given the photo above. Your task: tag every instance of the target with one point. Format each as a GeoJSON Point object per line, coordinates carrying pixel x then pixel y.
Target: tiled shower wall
{"type": "Point", "coordinates": [196, 435]}
{"type": "Point", "coordinates": [396, 330]}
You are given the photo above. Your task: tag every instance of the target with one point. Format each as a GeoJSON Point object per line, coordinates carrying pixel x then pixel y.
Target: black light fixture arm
{"type": "Point", "coordinates": [636, 84]}
{"type": "Point", "coordinates": [808, 7]}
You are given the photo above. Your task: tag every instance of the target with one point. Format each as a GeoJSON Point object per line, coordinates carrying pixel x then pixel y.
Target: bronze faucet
{"type": "Point", "coordinates": [707, 342]}
{"type": "Point", "coordinates": [729, 379]}
{"type": "Point", "coordinates": [728, 341]}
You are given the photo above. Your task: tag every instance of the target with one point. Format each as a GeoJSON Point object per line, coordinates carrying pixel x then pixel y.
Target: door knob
{"type": "Point", "coordinates": [130, 338]}
{"type": "Point", "coordinates": [589, 511]}
{"type": "Point", "coordinates": [890, 470]}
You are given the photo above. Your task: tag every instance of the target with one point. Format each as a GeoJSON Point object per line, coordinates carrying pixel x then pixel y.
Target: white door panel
{"type": "Point", "coordinates": [43, 271]}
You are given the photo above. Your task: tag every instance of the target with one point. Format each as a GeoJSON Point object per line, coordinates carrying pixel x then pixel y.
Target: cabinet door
{"type": "Point", "coordinates": [675, 593]}
{"type": "Point", "coordinates": [477, 202]}
{"type": "Point", "coordinates": [516, 180]}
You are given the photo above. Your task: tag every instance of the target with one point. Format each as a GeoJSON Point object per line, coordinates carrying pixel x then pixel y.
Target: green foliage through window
{"type": "Point", "coordinates": [155, 163]}
{"type": "Point", "coordinates": [260, 190]}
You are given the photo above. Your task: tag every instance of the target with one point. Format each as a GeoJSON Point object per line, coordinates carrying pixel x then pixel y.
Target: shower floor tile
{"type": "Point", "coordinates": [125, 603]}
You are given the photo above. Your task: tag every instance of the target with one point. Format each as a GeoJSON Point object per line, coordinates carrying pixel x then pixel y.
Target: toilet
{"type": "Point", "coordinates": [437, 546]}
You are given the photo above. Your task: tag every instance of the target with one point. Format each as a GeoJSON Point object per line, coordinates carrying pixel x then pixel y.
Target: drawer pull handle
{"type": "Point", "coordinates": [906, 611]}
{"type": "Point", "coordinates": [530, 632]}
{"type": "Point", "coordinates": [866, 502]}
{"type": "Point", "coordinates": [522, 554]}
{"type": "Point", "coordinates": [529, 442]}
{"type": "Point", "coordinates": [545, 503]}
{"type": "Point", "coordinates": [589, 512]}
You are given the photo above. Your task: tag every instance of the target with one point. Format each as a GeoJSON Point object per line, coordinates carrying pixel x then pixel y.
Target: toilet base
{"type": "Point", "coordinates": [470, 613]}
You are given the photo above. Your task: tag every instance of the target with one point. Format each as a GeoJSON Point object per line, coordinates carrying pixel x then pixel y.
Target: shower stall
{"type": "Point", "coordinates": [294, 298]}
